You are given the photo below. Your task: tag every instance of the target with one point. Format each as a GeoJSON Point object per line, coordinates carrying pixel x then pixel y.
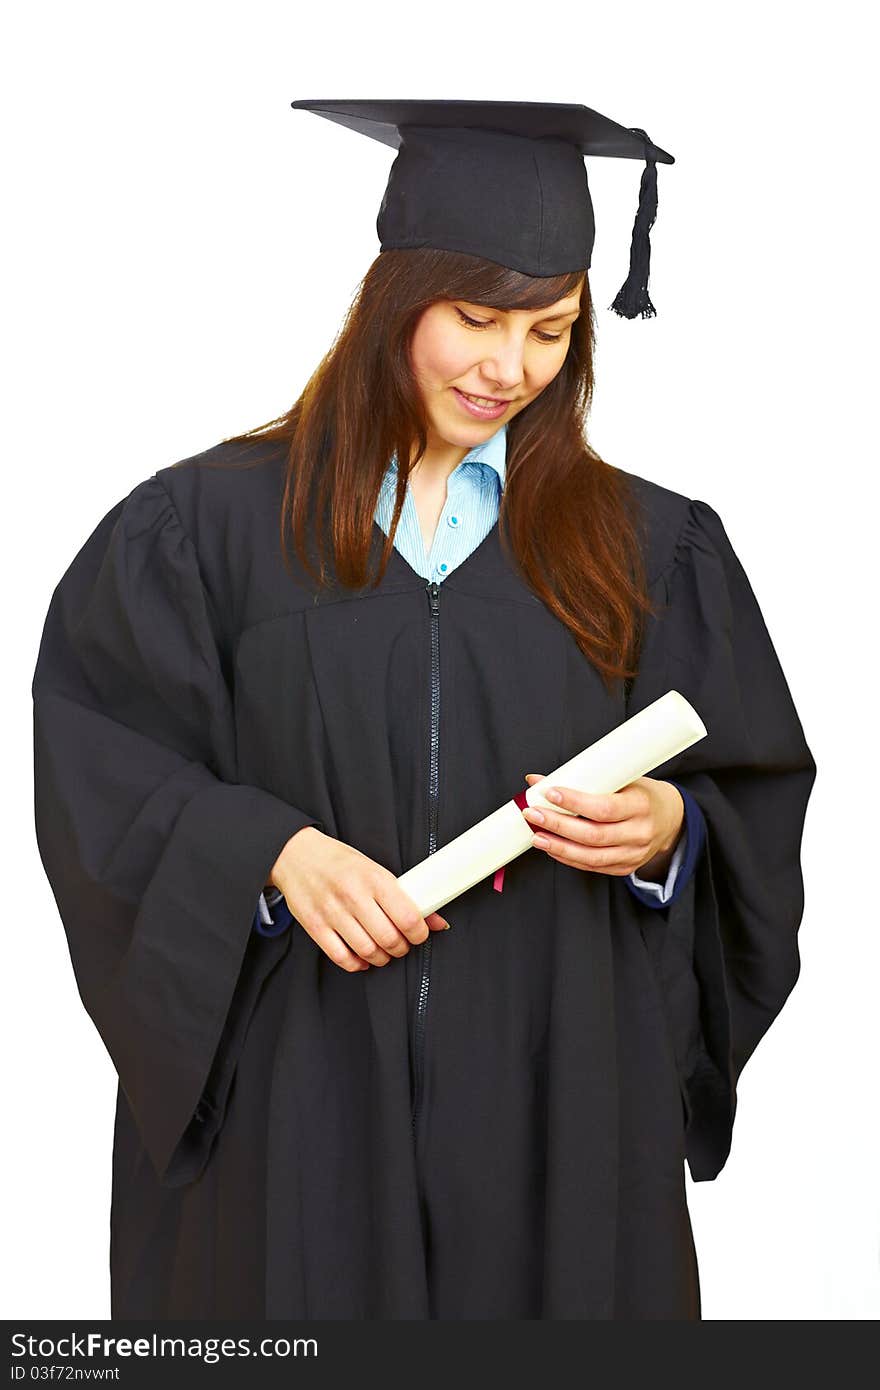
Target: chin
{"type": "Point", "coordinates": [461, 433]}
{"type": "Point", "coordinates": [467, 438]}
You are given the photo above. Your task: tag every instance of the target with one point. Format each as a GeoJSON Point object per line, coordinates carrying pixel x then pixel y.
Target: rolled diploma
{"type": "Point", "coordinates": [658, 732]}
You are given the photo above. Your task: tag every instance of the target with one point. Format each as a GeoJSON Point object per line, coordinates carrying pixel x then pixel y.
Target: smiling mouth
{"type": "Point", "coordinates": [487, 400]}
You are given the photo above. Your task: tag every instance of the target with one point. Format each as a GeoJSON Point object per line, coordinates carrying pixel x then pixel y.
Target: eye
{"type": "Point", "coordinates": [472, 323]}
{"type": "Point", "coordinates": [478, 323]}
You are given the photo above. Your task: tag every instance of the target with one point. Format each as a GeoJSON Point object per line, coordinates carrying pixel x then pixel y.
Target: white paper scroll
{"type": "Point", "coordinates": [641, 743]}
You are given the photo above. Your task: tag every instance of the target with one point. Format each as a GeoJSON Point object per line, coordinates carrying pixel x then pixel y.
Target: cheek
{"type": "Point", "coordinates": [438, 357]}
{"type": "Point", "coordinates": [542, 369]}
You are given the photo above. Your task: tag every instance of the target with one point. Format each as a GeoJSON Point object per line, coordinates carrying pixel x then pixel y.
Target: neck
{"type": "Point", "coordinates": [439, 461]}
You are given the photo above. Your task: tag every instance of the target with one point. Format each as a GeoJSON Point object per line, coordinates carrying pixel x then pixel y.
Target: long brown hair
{"type": "Point", "coordinates": [570, 520]}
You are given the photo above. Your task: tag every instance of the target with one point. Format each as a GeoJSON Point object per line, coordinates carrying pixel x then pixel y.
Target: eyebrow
{"type": "Point", "coordinates": [550, 318]}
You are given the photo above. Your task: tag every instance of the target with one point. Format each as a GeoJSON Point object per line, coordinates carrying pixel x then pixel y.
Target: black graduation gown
{"type": "Point", "coordinates": [196, 705]}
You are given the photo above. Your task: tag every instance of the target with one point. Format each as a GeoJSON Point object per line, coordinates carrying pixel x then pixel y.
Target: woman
{"type": "Point", "coordinates": [349, 1112]}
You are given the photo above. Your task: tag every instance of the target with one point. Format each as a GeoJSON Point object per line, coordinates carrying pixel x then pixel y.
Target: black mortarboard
{"type": "Point", "coordinates": [504, 180]}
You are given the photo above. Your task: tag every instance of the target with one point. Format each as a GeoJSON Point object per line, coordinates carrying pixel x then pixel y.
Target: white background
{"type": "Point", "coordinates": [180, 249]}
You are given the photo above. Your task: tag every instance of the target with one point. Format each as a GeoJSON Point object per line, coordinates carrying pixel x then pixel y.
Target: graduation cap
{"type": "Point", "coordinates": [504, 180]}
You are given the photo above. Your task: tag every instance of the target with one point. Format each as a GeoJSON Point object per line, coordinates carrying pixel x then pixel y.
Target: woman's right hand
{"type": "Point", "coordinates": [351, 907]}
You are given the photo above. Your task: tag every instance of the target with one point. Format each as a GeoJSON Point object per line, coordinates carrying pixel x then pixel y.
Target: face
{"type": "Point", "coordinates": [463, 350]}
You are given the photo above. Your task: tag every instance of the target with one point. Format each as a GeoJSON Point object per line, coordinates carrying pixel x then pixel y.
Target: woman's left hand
{"type": "Point", "coordinates": [636, 828]}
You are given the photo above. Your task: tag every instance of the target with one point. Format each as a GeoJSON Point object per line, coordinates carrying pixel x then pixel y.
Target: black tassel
{"type": "Point", "coordinates": [632, 297]}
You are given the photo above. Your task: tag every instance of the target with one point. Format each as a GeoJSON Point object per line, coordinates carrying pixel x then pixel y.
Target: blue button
{"type": "Point", "coordinates": [443, 568]}
{"type": "Point", "coordinates": [453, 521]}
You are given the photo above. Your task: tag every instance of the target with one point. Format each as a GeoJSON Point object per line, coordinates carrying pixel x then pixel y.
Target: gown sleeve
{"type": "Point", "coordinates": [726, 953]}
{"type": "Point", "coordinates": [154, 852]}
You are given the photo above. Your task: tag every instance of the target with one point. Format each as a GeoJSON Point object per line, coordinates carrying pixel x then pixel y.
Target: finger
{"type": "Point", "coordinates": [569, 827]}
{"type": "Point", "coordinates": [378, 925]}
{"type": "Point", "coordinates": [402, 911]}
{"type": "Point", "coordinates": [594, 811]}
{"type": "Point", "coordinates": [559, 829]}
{"type": "Point", "coordinates": [437, 923]}
{"type": "Point", "coordinates": [610, 860]}
{"type": "Point", "coordinates": [550, 794]}
{"type": "Point", "coordinates": [542, 819]}
{"type": "Point", "coordinates": [333, 946]}
{"type": "Point", "coordinates": [595, 806]}
{"type": "Point", "coordinates": [361, 941]}
{"type": "Point", "coordinates": [626, 836]}
{"type": "Point", "coordinates": [379, 928]}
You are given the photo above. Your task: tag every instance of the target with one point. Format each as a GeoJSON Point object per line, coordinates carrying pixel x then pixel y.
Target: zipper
{"type": "Point", "coordinates": [424, 948]}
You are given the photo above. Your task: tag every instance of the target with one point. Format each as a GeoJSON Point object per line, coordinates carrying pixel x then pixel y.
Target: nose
{"type": "Point", "coordinates": [504, 369]}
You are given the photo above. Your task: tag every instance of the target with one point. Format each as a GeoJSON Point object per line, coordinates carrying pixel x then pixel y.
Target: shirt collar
{"type": "Point", "coordinates": [491, 454]}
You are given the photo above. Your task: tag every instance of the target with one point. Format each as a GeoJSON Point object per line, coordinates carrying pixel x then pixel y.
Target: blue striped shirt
{"type": "Point", "coordinates": [473, 496]}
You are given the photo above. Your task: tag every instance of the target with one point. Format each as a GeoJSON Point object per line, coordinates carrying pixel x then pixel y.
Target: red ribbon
{"type": "Point", "coordinates": [498, 880]}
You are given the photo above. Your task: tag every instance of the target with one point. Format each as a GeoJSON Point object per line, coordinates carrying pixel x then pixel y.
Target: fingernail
{"type": "Point", "coordinates": [554, 795]}
{"type": "Point", "coordinates": [534, 814]}
{"type": "Point", "coordinates": [541, 841]}
{"type": "Point", "coordinates": [446, 925]}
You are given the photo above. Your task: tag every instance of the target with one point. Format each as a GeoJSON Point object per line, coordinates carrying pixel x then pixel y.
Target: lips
{"type": "Point", "coordinates": [480, 412]}
{"type": "Point", "coordinates": [486, 400]}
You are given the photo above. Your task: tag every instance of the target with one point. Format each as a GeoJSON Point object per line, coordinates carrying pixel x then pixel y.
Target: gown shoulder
{"type": "Point", "coordinates": [226, 482]}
